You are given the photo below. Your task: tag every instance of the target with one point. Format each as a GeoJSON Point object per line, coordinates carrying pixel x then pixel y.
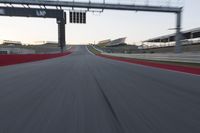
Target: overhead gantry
{"type": "Point", "coordinates": [107, 6]}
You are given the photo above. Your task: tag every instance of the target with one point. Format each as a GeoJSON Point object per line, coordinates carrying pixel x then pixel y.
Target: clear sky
{"type": "Point", "coordinates": [136, 26]}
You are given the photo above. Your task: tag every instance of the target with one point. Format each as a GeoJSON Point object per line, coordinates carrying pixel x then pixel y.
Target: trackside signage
{"type": "Point", "coordinates": [41, 13]}
{"type": "Point", "coordinates": [32, 12]}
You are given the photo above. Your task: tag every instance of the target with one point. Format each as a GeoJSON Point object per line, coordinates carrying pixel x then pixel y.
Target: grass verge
{"type": "Point", "coordinates": [94, 51]}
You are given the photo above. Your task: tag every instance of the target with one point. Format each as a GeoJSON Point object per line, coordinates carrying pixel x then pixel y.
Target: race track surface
{"type": "Point", "coordinates": [83, 93]}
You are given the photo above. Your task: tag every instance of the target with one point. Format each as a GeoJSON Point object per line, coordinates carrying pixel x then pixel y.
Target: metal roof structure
{"type": "Point", "coordinates": [104, 42]}
{"type": "Point", "coordinates": [117, 42]}
{"type": "Point", "coordinates": [188, 34]}
{"type": "Point", "coordinates": [94, 5]}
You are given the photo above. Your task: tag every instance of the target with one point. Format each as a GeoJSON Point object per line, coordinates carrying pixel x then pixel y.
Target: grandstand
{"type": "Point", "coordinates": [11, 43]}
{"type": "Point", "coordinates": [116, 46]}
{"type": "Point", "coordinates": [104, 42]}
{"type": "Point", "coordinates": [51, 44]}
{"type": "Point", "coordinates": [112, 43]}
{"type": "Point", "coordinates": [46, 43]}
{"type": "Point", "coordinates": [191, 36]}
{"type": "Point", "coordinates": [117, 42]}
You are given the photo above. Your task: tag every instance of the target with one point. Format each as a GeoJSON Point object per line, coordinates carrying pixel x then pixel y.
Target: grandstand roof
{"type": "Point", "coordinates": [104, 42]}
{"type": "Point", "coordinates": [172, 36]}
{"type": "Point", "coordinates": [117, 42]}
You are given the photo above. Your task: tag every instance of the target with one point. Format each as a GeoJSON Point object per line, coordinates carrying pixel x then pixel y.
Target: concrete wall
{"type": "Point", "coordinates": [185, 48]}
{"type": "Point", "coordinates": [17, 51]}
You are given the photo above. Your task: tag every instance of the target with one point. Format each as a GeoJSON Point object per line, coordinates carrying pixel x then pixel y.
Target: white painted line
{"type": "Point", "coordinates": [97, 49]}
{"type": "Point", "coordinates": [69, 48]}
{"type": "Point", "coordinates": [89, 51]}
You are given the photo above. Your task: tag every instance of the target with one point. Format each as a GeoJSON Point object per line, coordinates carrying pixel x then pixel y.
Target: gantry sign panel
{"type": "Point", "coordinates": [77, 17]}
{"type": "Point", "coordinates": [31, 12]}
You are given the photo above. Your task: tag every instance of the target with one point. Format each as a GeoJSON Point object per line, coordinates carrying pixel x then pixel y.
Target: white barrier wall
{"type": "Point", "coordinates": [17, 51]}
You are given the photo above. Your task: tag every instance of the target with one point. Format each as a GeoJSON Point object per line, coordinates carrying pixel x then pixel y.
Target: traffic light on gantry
{"type": "Point", "coordinates": [77, 17]}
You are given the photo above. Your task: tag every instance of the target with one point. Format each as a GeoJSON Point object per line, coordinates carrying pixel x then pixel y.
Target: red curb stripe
{"type": "Point", "coordinates": [185, 69]}
{"type": "Point", "coordinates": [16, 59]}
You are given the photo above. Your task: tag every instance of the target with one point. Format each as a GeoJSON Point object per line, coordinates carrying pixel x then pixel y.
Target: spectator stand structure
{"type": "Point", "coordinates": [188, 37]}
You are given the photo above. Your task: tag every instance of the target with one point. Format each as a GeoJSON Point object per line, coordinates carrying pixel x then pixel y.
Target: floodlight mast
{"type": "Point", "coordinates": [108, 6]}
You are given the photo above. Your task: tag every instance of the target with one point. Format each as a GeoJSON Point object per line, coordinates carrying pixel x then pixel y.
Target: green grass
{"type": "Point", "coordinates": [94, 51]}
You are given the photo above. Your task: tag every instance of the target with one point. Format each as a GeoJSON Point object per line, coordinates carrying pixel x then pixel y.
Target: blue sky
{"type": "Point", "coordinates": [136, 26]}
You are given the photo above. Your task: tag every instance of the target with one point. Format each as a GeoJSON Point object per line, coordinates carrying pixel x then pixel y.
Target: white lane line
{"type": "Point", "coordinates": [89, 51]}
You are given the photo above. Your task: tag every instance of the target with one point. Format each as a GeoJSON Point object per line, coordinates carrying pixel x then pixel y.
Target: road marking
{"type": "Point", "coordinates": [89, 51]}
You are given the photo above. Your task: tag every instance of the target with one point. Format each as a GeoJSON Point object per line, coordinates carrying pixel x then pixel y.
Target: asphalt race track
{"type": "Point", "coordinates": [83, 93]}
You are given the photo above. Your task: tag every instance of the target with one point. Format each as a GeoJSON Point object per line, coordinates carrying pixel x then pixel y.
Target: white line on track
{"type": "Point", "coordinates": [89, 51]}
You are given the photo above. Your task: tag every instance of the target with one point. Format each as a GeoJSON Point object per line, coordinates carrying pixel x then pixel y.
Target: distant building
{"type": "Point", "coordinates": [11, 43]}
{"type": "Point", "coordinates": [46, 43]}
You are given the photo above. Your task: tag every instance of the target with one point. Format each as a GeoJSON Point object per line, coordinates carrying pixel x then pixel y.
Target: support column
{"type": "Point", "coordinates": [191, 35]}
{"type": "Point", "coordinates": [178, 32]}
{"type": "Point", "coordinates": [61, 33]}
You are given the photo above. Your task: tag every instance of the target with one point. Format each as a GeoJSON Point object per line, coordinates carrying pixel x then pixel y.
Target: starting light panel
{"type": "Point", "coordinates": [77, 17]}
